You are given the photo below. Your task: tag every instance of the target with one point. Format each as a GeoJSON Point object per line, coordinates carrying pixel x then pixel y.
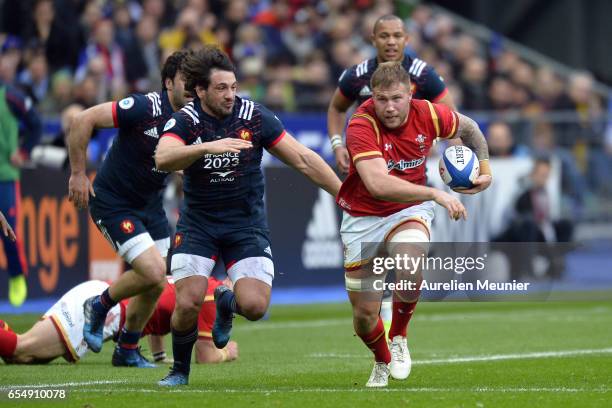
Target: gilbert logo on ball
{"type": "Point", "coordinates": [459, 167]}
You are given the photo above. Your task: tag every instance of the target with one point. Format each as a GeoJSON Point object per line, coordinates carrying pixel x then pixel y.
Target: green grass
{"type": "Point", "coordinates": [308, 356]}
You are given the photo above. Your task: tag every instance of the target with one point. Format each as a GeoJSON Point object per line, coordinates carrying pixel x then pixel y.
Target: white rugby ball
{"type": "Point", "coordinates": [459, 167]}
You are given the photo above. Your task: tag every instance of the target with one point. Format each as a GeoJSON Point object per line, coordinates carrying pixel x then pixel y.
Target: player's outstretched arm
{"type": "Point", "coordinates": [336, 118]}
{"type": "Point", "coordinates": [383, 186]}
{"type": "Point", "coordinates": [172, 154]}
{"type": "Point", "coordinates": [207, 353]}
{"type": "Point", "coordinates": [469, 132]}
{"type": "Point", "coordinates": [307, 162]}
{"type": "Point", "coordinates": [6, 228]}
{"type": "Point", "coordinates": [99, 116]}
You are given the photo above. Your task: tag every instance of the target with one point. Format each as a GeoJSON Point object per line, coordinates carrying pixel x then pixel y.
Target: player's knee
{"type": "Point", "coordinates": [364, 316]}
{"type": "Point", "coordinates": [188, 304]}
{"type": "Point", "coordinates": [254, 309]}
{"type": "Point", "coordinates": [155, 275]}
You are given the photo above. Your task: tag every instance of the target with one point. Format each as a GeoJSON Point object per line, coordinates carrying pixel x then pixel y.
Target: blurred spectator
{"type": "Point", "coordinates": [34, 79]}
{"type": "Point", "coordinates": [110, 69]}
{"type": "Point", "coordinates": [501, 142]}
{"type": "Point", "coordinates": [474, 84]}
{"type": "Point", "coordinates": [143, 68]}
{"type": "Point", "coordinates": [60, 41]}
{"type": "Point", "coordinates": [10, 58]}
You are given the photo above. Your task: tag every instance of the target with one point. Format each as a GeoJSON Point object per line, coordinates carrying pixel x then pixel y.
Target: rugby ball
{"type": "Point", "coordinates": [459, 167]}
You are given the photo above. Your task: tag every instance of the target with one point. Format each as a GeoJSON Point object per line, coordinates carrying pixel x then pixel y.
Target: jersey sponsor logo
{"type": "Point", "coordinates": [365, 91]}
{"type": "Point", "coordinates": [223, 173]}
{"type": "Point", "coordinates": [268, 250]}
{"type": "Point", "coordinates": [403, 165]}
{"type": "Point", "coordinates": [388, 146]}
{"type": "Point", "coordinates": [126, 103]}
{"type": "Point", "coordinates": [246, 134]}
{"type": "Point", "coordinates": [322, 247]}
{"type": "Point", "coordinates": [170, 124]}
{"type": "Point", "coordinates": [153, 132]}
{"type": "Point", "coordinates": [127, 226]}
{"type": "Point", "coordinates": [197, 141]}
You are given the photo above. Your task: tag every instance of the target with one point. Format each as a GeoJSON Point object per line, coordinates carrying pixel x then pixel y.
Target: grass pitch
{"type": "Point", "coordinates": [464, 355]}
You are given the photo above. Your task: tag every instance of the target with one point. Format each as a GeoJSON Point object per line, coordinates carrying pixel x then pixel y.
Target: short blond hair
{"type": "Point", "coordinates": [388, 74]}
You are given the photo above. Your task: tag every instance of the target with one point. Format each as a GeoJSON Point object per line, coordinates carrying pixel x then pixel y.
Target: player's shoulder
{"type": "Point", "coordinates": [248, 110]}
{"type": "Point", "coordinates": [415, 66]}
{"type": "Point", "coordinates": [364, 69]}
{"type": "Point", "coordinates": [150, 103]}
{"type": "Point", "coordinates": [364, 111]}
{"type": "Point", "coordinates": [188, 114]}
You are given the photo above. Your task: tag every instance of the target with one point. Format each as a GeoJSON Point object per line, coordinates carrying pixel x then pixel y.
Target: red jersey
{"type": "Point", "coordinates": [159, 323]}
{"type": "Point", "coordinates": [404, 149]}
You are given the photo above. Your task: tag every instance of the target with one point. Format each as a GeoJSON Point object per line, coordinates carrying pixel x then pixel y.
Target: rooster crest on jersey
{"type": "Point", "coordinates": [459, 167]}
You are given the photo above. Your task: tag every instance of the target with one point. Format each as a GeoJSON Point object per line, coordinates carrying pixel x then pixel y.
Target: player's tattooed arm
{"type": "Point", "coordinates": [83, 124]}
{"type": "Point", "coordinates": [469, 132]}
{"type": "Point", "coordinates": [471, 136]}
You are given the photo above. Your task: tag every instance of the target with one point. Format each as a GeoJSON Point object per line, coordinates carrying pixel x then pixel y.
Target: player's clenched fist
{"type": "Point", "coordinates": [342, 159]}
{"type": "Point", "coordinates": [455, 208]}
{"type": "Point", "coordinates": [79, 188]}
{"type": "Point", "coordinates": [227, 145]}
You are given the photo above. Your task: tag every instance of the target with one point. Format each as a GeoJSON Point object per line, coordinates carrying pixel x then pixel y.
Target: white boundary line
{"type": "Point", "coordinates": [60, 385]}
{"type": "Point", "coordinates": [494, 357]}
{"type": "Point", "coordinates": [183, 390]}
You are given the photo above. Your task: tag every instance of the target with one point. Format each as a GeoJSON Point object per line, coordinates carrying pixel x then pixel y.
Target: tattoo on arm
{"type": "Point", "coordinates": [472, 137]}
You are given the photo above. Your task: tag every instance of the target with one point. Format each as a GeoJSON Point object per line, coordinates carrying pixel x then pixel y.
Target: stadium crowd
{"type": "Point", "coordinates": [72, 54]}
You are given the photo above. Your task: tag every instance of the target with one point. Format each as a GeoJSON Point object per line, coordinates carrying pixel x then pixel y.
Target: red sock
{"type": "Point", "coordinates": [8, 343]}
{"type": "Point", "coordinates": [402, 313]}
{"type": "Point", "coordinates": [376, 342]}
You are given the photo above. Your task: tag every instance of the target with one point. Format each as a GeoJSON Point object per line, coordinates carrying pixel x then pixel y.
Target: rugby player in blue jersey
{"type": "Point", "coordinates": [126, 204]}
{"type": "Point", "coordinates": [218, 140]}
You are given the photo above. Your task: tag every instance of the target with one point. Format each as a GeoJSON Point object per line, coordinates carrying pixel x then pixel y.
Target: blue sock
{"type": "Point", "coordinates": [182, 346]}
{"type": "Point", "coordinates": [103, 303]}
{"type": "Point", "coordinates": [128, 340]}
{"type": "Point", "coordinates": [227, 303]}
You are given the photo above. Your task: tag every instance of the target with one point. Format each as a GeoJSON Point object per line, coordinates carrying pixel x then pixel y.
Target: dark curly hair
{"type": "Point", "coordinates": [198, 65]}
{"type": "Point", "coordinates": [174, 63]}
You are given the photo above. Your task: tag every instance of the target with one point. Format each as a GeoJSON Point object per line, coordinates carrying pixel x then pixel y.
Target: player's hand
{"type": "Point", "coordinates": [232, 351]}
{"type": "Point", "coordinates": [79, 188]}
{"type": "Point", "coordinates": [455, 208]}
{"type": "Point", "coordinates": [342, 159]}
{"type": "Point", "coordinates": [6, 228]}
{"type": "Point", "coordinates": [226, 145]}
{"type": "Point", "coordinates": [17, 159]}
{"type": "Point", "coordinates": [481, 183]}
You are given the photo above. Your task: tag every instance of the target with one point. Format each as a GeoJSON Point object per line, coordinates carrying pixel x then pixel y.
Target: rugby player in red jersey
{"type": "Point", "coordinates": [386, 203]}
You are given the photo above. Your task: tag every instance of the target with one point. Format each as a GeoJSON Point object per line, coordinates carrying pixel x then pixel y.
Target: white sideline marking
{"type": "Point", "coordinates": [59, 385]}
{"type": "Point", "coordinates": [183, 390]}
{"type": "Point", "coordinates": [495, 357]}
{"type": "Point", "coordinates": [432, 317]}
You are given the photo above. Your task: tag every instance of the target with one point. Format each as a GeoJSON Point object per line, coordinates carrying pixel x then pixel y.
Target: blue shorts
{"type": "Point", "coordinates": [197, 245]}
{"type": "Point", "coordinates": [131, 231]}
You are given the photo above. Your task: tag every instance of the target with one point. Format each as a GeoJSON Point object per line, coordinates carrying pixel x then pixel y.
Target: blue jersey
{"type": "Point", "coordinates": [354, 83]}
{"type": "Point", "coordinates": [128, 174]}
{"type": "Point", "coordinates": [226, 188]}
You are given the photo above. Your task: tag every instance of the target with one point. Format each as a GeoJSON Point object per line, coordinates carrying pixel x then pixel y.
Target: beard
{"type": "Point", "coordinates": [218, 110]}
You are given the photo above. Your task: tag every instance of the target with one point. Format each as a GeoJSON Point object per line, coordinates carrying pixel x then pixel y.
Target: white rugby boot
{"type": "Point", "coordinates": [400, 358]}
{"type": "Point", "coordinates": [379, 377]}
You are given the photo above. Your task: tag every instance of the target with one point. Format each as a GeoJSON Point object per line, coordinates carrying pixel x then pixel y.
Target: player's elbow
{"type": "Point", "coordinates": [376, 190]}
{"type": "Point", "coordinates": [161, 161]}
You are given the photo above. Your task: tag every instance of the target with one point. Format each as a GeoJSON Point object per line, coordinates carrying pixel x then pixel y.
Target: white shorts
{"type": "Point", "coordinates": [373, 230]}
{"type": "Point", "coordinates": [256, 267]}
{"type": "Point", "coordinates": [68, 318]}
{"type": "Point", "coordinates": [134, 247]}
